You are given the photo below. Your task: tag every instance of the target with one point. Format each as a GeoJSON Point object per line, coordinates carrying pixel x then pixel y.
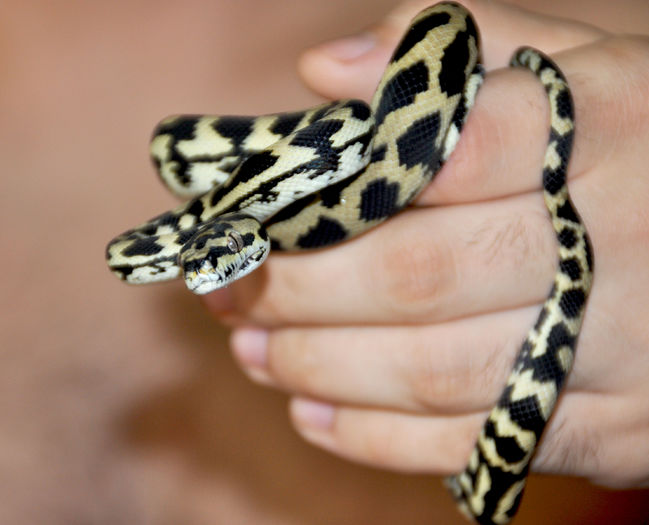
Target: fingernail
{"type": "Point", "coordinates": [250, 345]}
{"type": "Point", "coordinates": [349, 48]}
{"type": "Point", "coordinates": [313, 414]}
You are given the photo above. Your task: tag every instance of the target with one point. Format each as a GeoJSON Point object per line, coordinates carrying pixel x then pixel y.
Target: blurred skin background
{"type": "Point", "coordinates": [123, 405]}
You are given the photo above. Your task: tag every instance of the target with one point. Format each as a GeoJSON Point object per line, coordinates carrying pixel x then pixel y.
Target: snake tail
{"type": "Point", "coordinates": [490, 488]}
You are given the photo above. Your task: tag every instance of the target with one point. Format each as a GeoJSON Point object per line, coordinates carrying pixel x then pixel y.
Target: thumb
{"type": "Point", "coordinates": [352, 66]}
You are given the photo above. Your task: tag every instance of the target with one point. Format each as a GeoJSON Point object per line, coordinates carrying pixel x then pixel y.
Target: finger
{"type": "Point", "coordinates": [448, 368]}
{"type": "Point", "coordinates": [507, 130]}
{"type": "Point", "coordinates": [425, 265]}
{"type": "Point", "coordinates": [397, 441]}
{"type": "Point", "coordinates": [454, 367]}
{"type": "Point", "coordinates": [505, 137]}
{"type": "Point", "coordinates": [434, 259]}
{"type": "Point", "coordinates": [605, 446]}
{"type": "Point", "coordinates": [351, 67]}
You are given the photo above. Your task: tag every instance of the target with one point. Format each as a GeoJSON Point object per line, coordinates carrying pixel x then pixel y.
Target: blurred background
{"type": "Point", "coordinates": [122, 405]}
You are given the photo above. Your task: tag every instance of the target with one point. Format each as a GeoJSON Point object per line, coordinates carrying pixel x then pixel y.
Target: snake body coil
{"type": "Point", "coordinates": [317, 177]}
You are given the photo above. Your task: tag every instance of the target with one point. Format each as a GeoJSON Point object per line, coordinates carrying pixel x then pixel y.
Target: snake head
{"type": "Point", "coordinates": [223, 250]}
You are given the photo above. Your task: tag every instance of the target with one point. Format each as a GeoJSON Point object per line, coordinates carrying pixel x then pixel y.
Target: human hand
{"type": "Point", "coordinates": [405, 356]}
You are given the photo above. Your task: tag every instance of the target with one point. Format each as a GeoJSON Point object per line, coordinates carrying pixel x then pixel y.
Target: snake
{"type": "Point", "coordinates": [313, 178]}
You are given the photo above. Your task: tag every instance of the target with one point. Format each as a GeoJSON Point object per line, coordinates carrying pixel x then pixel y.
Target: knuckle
{"type": "Point", "coordinates": [411, 275]}
{"type": "Point", "coordinates": [443, 384]}
{"type": "Point", "coordinates": [436, 384]}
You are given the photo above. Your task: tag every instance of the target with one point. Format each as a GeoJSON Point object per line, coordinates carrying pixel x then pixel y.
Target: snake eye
{"type": "Point", "coordinates": [235, 242]}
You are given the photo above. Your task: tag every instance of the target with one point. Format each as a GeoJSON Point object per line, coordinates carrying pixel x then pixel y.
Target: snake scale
{"type": "Point", "coordinates": [313, 178]}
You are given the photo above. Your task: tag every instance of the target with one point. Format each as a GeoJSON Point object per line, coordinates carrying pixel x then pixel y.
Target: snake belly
{"type": "Point", "coordinates": [317, 177]}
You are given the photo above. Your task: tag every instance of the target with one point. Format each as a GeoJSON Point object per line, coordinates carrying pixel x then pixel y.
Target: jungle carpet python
{"type": "Point", "coordinates": [317, 177]}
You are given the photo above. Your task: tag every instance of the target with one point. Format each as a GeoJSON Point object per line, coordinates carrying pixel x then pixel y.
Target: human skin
{"type": "Point", "coordinates": [395, 361]}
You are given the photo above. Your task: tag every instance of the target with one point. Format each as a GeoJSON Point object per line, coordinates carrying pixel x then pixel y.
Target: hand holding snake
{"type": "Point", "coordinates": [450, 313]}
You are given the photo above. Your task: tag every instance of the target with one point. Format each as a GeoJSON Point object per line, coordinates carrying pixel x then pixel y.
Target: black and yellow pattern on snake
{"type": "Point", "coordinates": [317, 177]}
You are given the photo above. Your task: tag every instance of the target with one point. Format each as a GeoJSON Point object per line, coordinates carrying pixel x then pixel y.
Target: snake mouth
{"type": "Point", "coordinates": [208, 279]}
{"type": "Point", "coordinates": [202, 283]}
{"type": "Point", "coordinates": [252, 261]}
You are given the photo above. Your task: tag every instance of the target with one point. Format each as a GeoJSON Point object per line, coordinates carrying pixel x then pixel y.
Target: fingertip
{"type": "Point", "coordinates": [345, 68]}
